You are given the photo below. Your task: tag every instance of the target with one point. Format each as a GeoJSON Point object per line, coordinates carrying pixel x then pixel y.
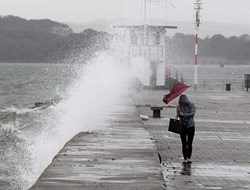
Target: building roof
{"type": "Point", "coordinates": [127, 23]}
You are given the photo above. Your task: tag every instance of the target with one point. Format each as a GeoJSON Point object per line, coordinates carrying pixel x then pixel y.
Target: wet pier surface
{"type": "Point", "coordinates": [221, 148]}
{"type": "Point", "coordinates": [121, 156]}
{"type": "Point", "coordinates": [124, 155]}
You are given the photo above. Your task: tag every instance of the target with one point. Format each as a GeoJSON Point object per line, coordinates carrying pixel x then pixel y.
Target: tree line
{"type": "Point", "coordinates": [44, 40]}
{"type": "Point", "coordinates": [231, 48]}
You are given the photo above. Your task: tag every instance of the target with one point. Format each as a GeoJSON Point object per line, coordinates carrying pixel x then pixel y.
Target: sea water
{"type": "Point", "coordinates": [73, 97]}
{"type": "Point", "coordinates": [215, 77]}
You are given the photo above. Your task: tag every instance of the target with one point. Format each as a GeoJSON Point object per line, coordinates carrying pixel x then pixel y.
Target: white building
{"type": "Point", "coordinates": [145, 44]}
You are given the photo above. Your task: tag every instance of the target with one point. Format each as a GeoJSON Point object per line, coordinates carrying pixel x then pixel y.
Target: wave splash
{"type": "Point", "coordinates": [38, 133]}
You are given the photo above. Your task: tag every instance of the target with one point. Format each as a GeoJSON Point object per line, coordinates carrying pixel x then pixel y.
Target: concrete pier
{"type": "Point", "coordinates": [221, 148]}
{"type": "Point", "coordinates": [121, 156]}
{"type": "Point", "coordinates": [124, 155]}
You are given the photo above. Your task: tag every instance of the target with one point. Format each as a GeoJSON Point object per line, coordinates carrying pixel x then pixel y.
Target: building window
{"type": "Point", "coordinates": [157, 38]}
{"type": "Point", "coordinates": [133, 38]}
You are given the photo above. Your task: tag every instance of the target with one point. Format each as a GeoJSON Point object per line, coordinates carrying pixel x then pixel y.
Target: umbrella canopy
{"type": "Point", "coordinates": [176, 90]}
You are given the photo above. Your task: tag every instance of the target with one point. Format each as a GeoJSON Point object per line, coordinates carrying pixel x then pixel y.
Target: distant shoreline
{"type": "Point", "coordinates": [38, 63]}
{"type": "Point", "coordinates": [34, 63]}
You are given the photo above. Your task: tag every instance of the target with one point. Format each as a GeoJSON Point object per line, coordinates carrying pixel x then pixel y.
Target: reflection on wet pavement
{"type": "Point", "coordinates": [186, 169]}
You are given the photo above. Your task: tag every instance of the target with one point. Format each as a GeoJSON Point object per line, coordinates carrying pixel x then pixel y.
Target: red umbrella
{"type": "Point", "coordinates": [176, 90]}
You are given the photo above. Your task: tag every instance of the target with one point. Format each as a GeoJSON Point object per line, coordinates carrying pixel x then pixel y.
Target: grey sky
{"type": "Point", "coordinates": [229, 11]}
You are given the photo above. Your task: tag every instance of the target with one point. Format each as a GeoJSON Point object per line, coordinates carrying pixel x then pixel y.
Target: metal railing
{"type": "Point", "coordinates": [173, 73]}
{"type": "Point", "coordinates": [236, 84]}
{"type": "Point", "coordinates": [172, 77]}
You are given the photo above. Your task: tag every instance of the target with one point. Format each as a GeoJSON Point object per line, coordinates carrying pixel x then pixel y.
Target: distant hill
{"type": "Point", "coordinates": [99, 25]}
{"type": "Point", "coordinates": [24, 40]}
{"type": "Point", "coordinates": [14, 23]}
{"type": "Point", "coordinates": [185, 27]}
{"type": "Point", "coordinates": [218, 48]}
{"type": "Point", "coordinates": [44, 40]}
{"type": "Point", "coordinates": [210, 29]}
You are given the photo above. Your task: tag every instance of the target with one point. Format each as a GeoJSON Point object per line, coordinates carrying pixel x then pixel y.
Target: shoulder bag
{"type": "Point", "coordinates": [175, 125]}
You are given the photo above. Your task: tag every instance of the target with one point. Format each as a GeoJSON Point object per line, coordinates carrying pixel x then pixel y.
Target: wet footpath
{"type": "Point", "coordinates": [133, 154]}
{"type": "Point", "coordinates": [121, 156]}
{"type": "Point", "coordinates": [221, 148]}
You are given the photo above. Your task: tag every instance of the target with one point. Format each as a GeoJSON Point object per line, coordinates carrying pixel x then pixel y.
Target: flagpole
{"type": "Point", "coordinates": [145, 22]}
{"type": "Point", "coordinates": [197, 8]}
{"type": "Point", "coordinates": [195, 62]}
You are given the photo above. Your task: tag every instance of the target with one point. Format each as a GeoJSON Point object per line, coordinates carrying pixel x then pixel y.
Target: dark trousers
{"type": "Point", "coordinates": [187, 137]}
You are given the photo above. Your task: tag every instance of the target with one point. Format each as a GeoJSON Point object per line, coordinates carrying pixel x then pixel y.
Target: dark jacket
{"type": "Point", "coordinates": [188, 108]}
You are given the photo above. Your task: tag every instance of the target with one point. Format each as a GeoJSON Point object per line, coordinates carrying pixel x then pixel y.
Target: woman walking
{"type": "Point", "coordinates": [186, 111]}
